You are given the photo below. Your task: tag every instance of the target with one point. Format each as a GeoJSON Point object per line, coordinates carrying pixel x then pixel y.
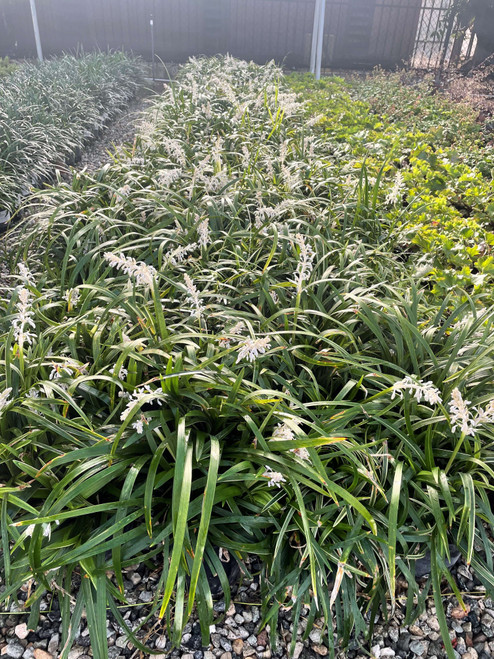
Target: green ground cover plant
{"type": "Point", "coordinates": [50, 110]}
{"type": "Point", "coordinates": [430, 166]}
{"type": "Point", "coordinates": [6, 66]}
{"type": "Point", "coordinates": [214, 344]}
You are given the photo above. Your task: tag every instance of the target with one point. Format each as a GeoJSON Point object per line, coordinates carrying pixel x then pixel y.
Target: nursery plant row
{"type": "Point", "coordinates": [50, 110]}
{"type": "Point", "coordinates": [222, 342]}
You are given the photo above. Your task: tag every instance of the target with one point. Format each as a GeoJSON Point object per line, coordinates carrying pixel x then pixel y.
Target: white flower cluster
{"type": "Point", "coordinates": [5, 398]}
{"type": "Point", "coordinates": [174, 149]}
{"type": "Point", "coordinates": [305, 265]}
{"type": "Point", "coordinates": [420, 390]}
{"type": "Point", "coordinates": [25, 275]}
{"type": "Point", "coordinates": [285, 433]}
{"type": "Point", "coordinates": [23, 318]}
{"type": "Point", "coordinates": [262, 214]}
{"type": "Point", "coordinates": [193, 298]}
{"type": "Point", "coordinates": [204, 233]}
{"type": "Point", "coordinates": [252, 348]}
{"type": "Point", "coordinates": [72, 295]}
{"type": "Point", "coordinates": [226, 341]}
{"type": "Point", "coordinates": [133, 400]}
{"type": "Point", "coordinates": [124, 191]}
{"type": "Point", "coordinates": [143, 274]}
{"type": "Point", "coordinates": [396, 192]}
{"type": "Point", "coordinates": [276, 478]}
{"type": "Point", "coordinates": [465, 419]}
{"type": "Point", "coordinates": [168, 176]}
{"type": "Point", "coordinates": [138, 425]}
{"type": "Point", "coordinates": [179, 254]}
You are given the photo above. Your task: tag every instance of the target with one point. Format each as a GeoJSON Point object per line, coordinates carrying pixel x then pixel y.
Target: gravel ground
{"type": "Point", "coordinates": [237, 632]}
{"type": "Point", "coordinates": [121, 131]}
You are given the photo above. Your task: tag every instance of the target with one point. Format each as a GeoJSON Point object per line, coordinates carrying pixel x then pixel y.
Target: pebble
{"type": "Point", "coordinates": [146, 596]}
{"type": "Point", "coordinates": [238, 646]}
{"type": "Point", "coordinates": [252, 640]}
{"type": "Point", "coordinates": [387, 652]}
{"type": "Point", "coordinates": [416, 631]}
{"type": "Point", "coordinates": [247, 615]}
{"type": "Point", "coordinates": [135, 578]}
{"type": "Point", "coordinates": [262, 638]}
{"type": "Point", "coordinates": [321, 650]}
{"type": "Point", "coordinates": [14, 650]}
{"type": "Point", "coordinates": [226, 655]}
{"type": "Point", "coordinates": [237, 633]}
{"type": "Point", "coordinates": [225, 644]}
{"type": "Point", "coordinates": [21, 631]}
{"type": "Point", "coordinates": [53, 644]}
{"type": "Point", "coordinates": [161, 642]}
{"type": "Point", "coordinates": [394, 634]}
{"type": "Point", "coordinates": [418, 647]}
{"type": "Point", "coordinates": [75, 653]}
{"type": "Point", "coordinates": [433, 623]}
{"type": "Point", "coordinates": [188, 656]}
{"type": "Point", "coordinates": [41, 654]}
{"type": "Point", "coordinates": [299, 646]}
{"type": "Point", "coordinates": [315, 636]}
{"type": "Point", "coordinates": [464, 572]}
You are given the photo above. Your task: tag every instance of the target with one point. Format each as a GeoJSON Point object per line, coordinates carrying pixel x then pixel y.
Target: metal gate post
{"type": "Point", "coordinates": [153, 54]}
{"type": "Point", "coordinates": [315, 32]}
{"type": "Point", "coordinates": [34, 16]}
{"type": "Point", "coordinates": [320, 39]}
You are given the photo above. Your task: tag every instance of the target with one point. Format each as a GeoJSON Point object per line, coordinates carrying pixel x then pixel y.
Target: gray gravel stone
{"type": "Point", "coordinates": [315, 636]}
{"type": "Point", "coordinates": [14, 650]}
{"type": "Point", "coordinates": [247, 615]}
{"type": "Point", "coordinates": [238, 633]}
{"type": "Point", "coordinates": [225, 644]}
{"type": "Point", "coordinates": [146, 596]}
{"type": "Point", "coordinates": [419, 647]}
{"type": "Point", "coordinates": [53, 644]}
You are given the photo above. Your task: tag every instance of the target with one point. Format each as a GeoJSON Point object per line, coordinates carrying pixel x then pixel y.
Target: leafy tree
{"type": "Point", "coordinates": [479, 15]}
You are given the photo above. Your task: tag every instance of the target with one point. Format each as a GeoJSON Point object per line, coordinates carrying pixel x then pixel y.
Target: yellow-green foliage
{"type": "Point", "coordinates": [427, 163]}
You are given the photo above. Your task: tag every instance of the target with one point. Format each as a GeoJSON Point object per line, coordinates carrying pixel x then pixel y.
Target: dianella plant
{"type": "Point", "coordinates": [213, 349]}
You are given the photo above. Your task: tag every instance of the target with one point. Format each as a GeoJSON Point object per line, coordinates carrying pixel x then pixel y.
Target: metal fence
{"type": "Point", "coordinates": [440, 42]}
{"type": "Point", "coordinates": [357, 33]}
